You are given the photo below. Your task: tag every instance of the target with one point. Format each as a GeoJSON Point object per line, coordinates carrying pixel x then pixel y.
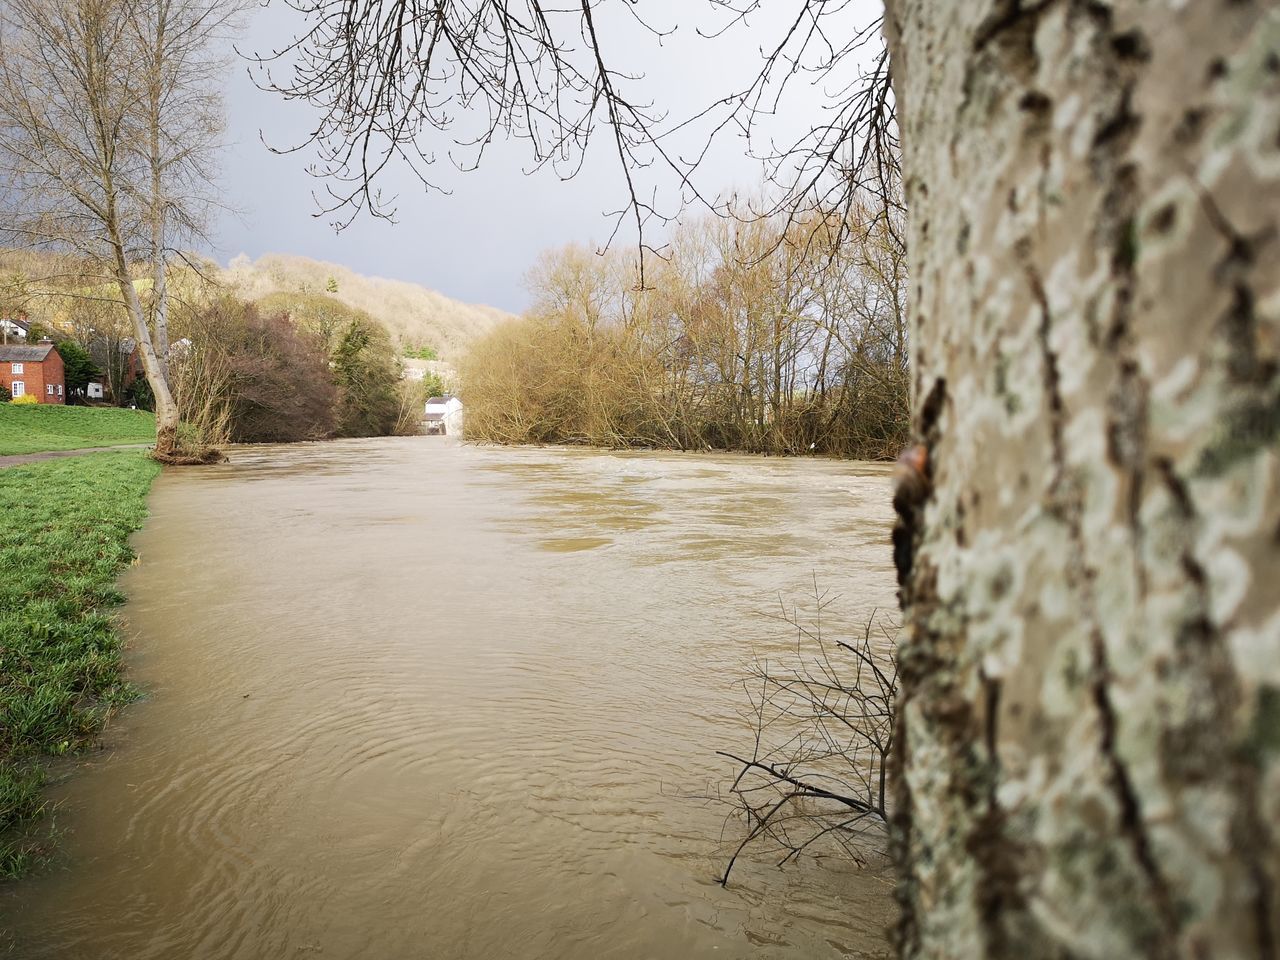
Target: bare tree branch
{"type": "Point", "coordinates": [822, 738]}
{"type": "Point", "coordinates": [389, 77]}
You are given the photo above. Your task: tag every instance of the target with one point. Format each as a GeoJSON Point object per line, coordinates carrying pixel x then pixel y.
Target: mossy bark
{"type": "Point", "coordinates": [1090, 732]}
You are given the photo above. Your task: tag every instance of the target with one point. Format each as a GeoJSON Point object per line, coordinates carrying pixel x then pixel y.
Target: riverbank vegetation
{"type": "Point", "coordinates": [245, 375]}
{"type": "Point", "coordinates": [290, 366]}
{"type": "Point", "coordinates": [63, 542]}
{"type": "Point", "coordinates": [767, 336]}
{"type": "Point", "coordinates": [41, 427]}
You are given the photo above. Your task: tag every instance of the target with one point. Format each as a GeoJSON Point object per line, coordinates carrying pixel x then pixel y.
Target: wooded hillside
{"type": "Point", "coordinates": [413, 314]}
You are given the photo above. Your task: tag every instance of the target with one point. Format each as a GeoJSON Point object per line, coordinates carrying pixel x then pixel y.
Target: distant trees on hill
{"type": "Point", "coordinates": [322, 314]}
{"type": "Point", "coordinates": [412, 314]}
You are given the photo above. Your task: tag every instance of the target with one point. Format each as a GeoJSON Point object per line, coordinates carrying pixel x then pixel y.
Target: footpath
{"type": "Point", "coordinates": [17, 459]}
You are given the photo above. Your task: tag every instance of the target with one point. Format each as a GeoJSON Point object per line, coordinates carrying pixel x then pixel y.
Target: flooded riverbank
{"type": "Point", "coordinates": [411, 699]}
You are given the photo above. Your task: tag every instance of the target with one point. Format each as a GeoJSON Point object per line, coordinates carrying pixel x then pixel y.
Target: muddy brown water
{"type": "Point", "coordinates": [409, 699]}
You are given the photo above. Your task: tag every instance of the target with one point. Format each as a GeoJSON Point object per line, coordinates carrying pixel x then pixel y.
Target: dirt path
{"type": "Point", "coordinates": [18, 459]}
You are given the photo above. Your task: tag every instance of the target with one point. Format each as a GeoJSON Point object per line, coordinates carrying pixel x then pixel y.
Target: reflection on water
{"type": "Point", "coordinates": [414, 700]}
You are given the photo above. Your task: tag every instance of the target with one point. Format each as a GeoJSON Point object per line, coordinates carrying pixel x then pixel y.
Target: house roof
{"type": "Point", "coordinates": [24, 353]}
{"type": "Point", "coordinates": [17, 322]}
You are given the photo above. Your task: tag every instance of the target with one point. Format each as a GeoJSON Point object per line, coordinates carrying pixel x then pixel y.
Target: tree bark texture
{"type": "Point", "coordinates": [1089, 749]}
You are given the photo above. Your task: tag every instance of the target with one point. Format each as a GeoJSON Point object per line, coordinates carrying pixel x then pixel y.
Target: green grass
{"type": "Point", "coordinates": [36, 429]}
{"type": "Point", "coordinates": [63, 541]}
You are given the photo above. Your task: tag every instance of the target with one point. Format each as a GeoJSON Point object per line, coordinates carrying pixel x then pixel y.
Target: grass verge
{"type": "Point", "coordinates": [63, 542]}
{"type": "Point", "coordinates": [42, 427]}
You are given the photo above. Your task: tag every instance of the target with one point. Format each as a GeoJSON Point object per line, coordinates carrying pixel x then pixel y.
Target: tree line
{"type": "Point", "coordinates": [276, 373]}
{"type": "Point", "coordinates": [285, 367]}
{"type": "Point", "coordinates": [761, 334]}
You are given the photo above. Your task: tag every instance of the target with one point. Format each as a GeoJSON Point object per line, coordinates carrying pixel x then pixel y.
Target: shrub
{"type": "Point", "coordinates": [251, 378]}
{"type": "Point", "coordinates": [367, 372]}
{"type": "Point", "coordinates": [739, 340]}
{"type": "Point", "coordinates": [26, 400]}
{"type": "Point", "coordinates": [5, 395]}
{"type": "Point", "coordinates": [433, 385]}
{"type": "Point", "coordinates": [290, 367]}
{"type": "Point", "coordinates": [140, 395]}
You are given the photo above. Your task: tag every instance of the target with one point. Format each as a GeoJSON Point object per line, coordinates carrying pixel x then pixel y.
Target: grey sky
{"type": "Point", "coordinates": [477, 243]}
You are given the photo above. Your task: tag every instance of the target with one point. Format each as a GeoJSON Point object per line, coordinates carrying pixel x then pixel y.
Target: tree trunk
{"type": "Point", "coordinates": [159, 276]}
{"type": "Point", "coordinates": [158, 214]}
{"type": "Point", "coordinates": [166, 407]}
{"type": "Point", "coordinates": [1089, 754]}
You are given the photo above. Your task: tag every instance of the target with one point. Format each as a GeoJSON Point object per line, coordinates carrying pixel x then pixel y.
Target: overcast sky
{"type": "Point", "coordinates": [477, 243]}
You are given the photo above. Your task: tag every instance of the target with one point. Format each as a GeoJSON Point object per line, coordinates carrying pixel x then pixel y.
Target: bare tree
{"type": "Point", "coordinates": [181, 114]}
{"type": "Point", "coordinates": [106, 130]}
{"type": "Point", "coordinates": [387, 75]}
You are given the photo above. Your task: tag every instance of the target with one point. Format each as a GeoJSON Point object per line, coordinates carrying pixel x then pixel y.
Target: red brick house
{"type": "Point", "coordinates": [34, 369]}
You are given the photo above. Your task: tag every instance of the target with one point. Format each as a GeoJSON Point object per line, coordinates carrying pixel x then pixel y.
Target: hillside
{"type": "Point", "coordinates": [413, 314]}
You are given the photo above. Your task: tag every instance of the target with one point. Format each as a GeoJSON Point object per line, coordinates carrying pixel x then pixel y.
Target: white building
{"type": "Point", "coordinates": [443, 415]}
{"type": "Point", "coordinates": [13, 330]}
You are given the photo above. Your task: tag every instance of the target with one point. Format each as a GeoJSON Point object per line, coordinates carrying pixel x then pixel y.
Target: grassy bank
{"type": "Point", "coordinates": [38, 428]}
{"type": "Point", "coordinates": [63, 542]}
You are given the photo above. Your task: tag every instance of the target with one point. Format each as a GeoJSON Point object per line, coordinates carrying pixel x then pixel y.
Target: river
{"type": "Point", "coordinates": [412, 699]}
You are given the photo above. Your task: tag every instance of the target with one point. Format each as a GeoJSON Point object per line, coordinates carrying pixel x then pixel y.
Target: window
{"type": "Point", "coordinates": [18, 388]}
{"type": "Point", "coordinates": [17, 368]}
{"type": "Point", "coordinates": [48, 389]}
{"type": "Point", "coordinates": [59, 389]}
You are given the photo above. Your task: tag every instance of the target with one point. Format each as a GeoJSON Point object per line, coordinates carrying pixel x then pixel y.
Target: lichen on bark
{"type": "Point", "coordinates": [1091, 659]}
